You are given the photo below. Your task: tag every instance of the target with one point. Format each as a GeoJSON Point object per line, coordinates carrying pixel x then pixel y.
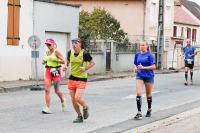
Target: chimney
{"type": "Point", "coordinates": [178, 2]}
{"type": "Point", "coordinates": [181, 2]}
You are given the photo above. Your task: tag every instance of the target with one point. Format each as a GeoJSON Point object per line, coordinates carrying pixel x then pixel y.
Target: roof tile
{"type": "Point", "coordinates": [181, 16]}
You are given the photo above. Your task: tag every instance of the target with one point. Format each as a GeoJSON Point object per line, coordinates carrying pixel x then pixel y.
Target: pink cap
{"type": "Point", "coordinates": [50, 41]}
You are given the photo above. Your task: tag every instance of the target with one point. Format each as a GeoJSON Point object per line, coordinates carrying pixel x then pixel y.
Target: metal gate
{"type": "Point", "coordinates": [108, 56]}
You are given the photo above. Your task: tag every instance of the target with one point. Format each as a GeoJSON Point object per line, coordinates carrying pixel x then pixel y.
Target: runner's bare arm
{"type": "Point", "coordinates": [90, 65]}
{"type": "Point", "coordinates": [66, 65]}
{"type": "Point", "coordinates": [44, 62]}
{"type": "Point", "coordinates": [182, 54]}
{"type": "Point", "coordinates": [152, 67]}
{"type": "Point", "coordinates": [135, 69]}
{"type": "Point", "coordinates": [195, 53]}
{"type": "Point", "coordinates": [61, 59]}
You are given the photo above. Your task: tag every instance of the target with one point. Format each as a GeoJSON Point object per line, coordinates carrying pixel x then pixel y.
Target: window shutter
{"type": "Point", "coordinates": [194, 32]}
{"type": "Point", "coordinates": [10, 22]}
{"type": "Point", "coordinates": [188, 33]}
{"type": "Point", "coordinates": [13, 22]}
{"type": "Point", "coordinates": [174, 31]}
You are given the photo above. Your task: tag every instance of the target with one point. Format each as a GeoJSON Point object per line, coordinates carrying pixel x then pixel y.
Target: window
{"type": "Point", "coordinates": [188, 33]}
{"type": "Point", "coordinates": [194, 34]}
{"type": "Point", "coordinates": [168, 17]}
{"type": "Point", "coordinates": [13, 22]}
{"type": "Point", "coordinates": [182, 31]}
{"type": "Point", "coordinates": [175, 31]}
{"type": "Point", "coordinates": [153, 15]}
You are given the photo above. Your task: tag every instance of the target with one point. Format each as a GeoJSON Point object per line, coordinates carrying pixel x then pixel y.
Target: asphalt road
{"type": "Point", "coordinates": [112, 106]}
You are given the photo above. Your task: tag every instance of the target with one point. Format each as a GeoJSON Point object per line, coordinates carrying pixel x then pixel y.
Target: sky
{"type": "Point", "coordinates": [197, 1]}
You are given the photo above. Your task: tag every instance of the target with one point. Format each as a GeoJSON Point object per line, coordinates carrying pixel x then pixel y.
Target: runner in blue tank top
{"type": "Point", "coordinates": [144, 65]}
{"type": "Point", "coordinates": [189, 54]}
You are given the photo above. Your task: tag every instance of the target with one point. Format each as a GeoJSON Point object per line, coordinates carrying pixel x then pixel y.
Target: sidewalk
{"type": "Point", "coordinates": [9, 86]}
{"type": "Point", "coordinates": [186, 122]}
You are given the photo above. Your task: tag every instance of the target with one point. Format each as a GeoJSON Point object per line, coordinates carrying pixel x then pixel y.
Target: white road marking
{"type": "Point", "coordinates": [173, 106]}
{"type": "Point", "coordinates": [132, 96]}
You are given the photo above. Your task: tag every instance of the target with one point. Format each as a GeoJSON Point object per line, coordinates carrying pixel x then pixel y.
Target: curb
{"type": "Point", "coordinates": [14, 89]}
{"type": "Point", "coordinates": [130, 75]}
{"type": "Point", "coordinates": [90, 79]}
{"type": "Point", "coordinates": [168, 72]}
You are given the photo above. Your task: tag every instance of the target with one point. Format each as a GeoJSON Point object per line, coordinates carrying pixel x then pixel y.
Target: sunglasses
{"type": "Point", "coordinates": [48, 44]}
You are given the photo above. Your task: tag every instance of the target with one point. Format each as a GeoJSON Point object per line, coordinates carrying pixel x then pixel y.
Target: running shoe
{"type": "Point", "coordinates": [46, 110]}
{"type": "Point", "coordinates": [85, 113]}
{"type": "Point", "coordinates": [79, 119]}
{"type": "Point", "coordinates": [148, 114]}
{"type": "Point", "coordinates": [186, 83]}
{"type": "Point", "coordinates": [63, 107]}
{"type": "Point", "coordinates": [138, 116]}
{"type": "Point", "coordinates": [191, 82]}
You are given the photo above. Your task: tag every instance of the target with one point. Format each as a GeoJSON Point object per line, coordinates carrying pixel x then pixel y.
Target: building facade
{"type": "Point", "coordinates": [139, 18]}
{"type": "Point", "coordinates": [23, 18]}
{"type": "Point", "coordinates": [186, 26]}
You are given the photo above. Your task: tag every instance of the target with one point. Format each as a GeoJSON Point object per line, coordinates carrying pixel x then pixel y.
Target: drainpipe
{"type": "Point", "coordinates": [144, 20]}
{"type": "Point", "coordinates": [33, 17]}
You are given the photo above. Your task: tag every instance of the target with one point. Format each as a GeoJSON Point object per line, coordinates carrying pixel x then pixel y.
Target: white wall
{"type": "Point", "coordinates": [15, 61]}
{"type": "Point", "coordinates": [3, 23]}
{"type": "Point", "coordinates": [56, 21]}
{"type": "Point", "coordinates": [100, 65]}
{"type": "Point", "coordinates": [61, 20]}
{"type": "Point", "coordinates": [151, 24]}
{"type": "Point", "coordinates": [198, 36]}
{"type": "Point", "coordinates": [124, 62]}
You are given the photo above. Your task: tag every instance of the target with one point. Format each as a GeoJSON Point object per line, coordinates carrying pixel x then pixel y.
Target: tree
{"type": "Point", "coordinates": [84, 28]}
{"type": "Point", "coordinates": [99, 24]}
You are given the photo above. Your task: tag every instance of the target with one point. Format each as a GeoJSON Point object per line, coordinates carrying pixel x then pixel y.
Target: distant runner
{"type": "Point", "coordinates": [189, 54]}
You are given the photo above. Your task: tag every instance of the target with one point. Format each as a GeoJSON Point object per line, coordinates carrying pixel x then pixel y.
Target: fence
{"type": "Point", "coordinates": [117, 57]}
{"type": "Point", "coordinates": [130, 45]}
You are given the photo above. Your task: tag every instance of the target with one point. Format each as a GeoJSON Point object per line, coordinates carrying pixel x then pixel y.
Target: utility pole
{"type": "Point", "coordinates": [160, 37]}
{"type": "Point", "coordinates": [144, 21]}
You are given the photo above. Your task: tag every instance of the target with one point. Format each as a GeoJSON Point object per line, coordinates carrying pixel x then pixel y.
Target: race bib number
{"type": "Point", "coordinates": [55, 72]}
{"type": "Point", "coordinates": [189, 61]}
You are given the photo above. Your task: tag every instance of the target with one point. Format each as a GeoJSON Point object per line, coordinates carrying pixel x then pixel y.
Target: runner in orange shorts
{"type": "Point", "coordinates": [80, 61]}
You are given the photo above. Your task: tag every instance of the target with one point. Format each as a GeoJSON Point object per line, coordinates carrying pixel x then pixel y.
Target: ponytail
{"type": "Point", "coordinates": [148, 48]}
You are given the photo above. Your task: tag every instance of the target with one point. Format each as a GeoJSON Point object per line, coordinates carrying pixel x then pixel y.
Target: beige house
{"type": "Point", "coordinates": [139, 18]}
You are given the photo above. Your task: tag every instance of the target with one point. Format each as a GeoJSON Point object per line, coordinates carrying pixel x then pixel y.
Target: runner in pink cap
{"type": "Point", "coordinates": [53, 60]}
{"type": "Point", "coordinates": [50, 41]}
